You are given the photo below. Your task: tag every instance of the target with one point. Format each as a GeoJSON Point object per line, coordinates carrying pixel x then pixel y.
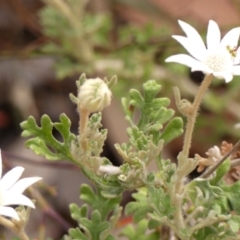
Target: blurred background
{"type": "Point", "coordinates": [46, 45]}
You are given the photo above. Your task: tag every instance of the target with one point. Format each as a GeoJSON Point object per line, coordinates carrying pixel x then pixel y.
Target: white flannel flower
{"type": "Point", "coordinates": [219, 58]}
{"type": "Point", "coordinates": [11, 190]}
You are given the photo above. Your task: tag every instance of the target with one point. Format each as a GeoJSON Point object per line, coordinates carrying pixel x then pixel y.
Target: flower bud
{"type": "Point", "coordinates": [109, 170]}
{"type": "Point", "coordinates": [94, 95]}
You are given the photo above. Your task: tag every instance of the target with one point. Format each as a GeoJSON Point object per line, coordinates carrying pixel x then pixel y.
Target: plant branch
{"type": "Point", "coordinates": [83, 122]}
{"type": "Point", "coordinates": [10, 225]}
{"type": "Point", "coordinates": [235, 162]}
{"type": "Point", "coordinates": [210, 170]}
{"type": "Point", "coordinates": [191, 119]}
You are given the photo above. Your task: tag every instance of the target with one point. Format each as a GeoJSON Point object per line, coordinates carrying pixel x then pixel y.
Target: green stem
{"type": "Point", "coordinates": [192, 117]}
{"type": "Point", "coordinates": [10, 225]}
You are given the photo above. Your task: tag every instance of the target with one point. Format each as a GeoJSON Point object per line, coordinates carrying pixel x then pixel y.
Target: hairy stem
{"type": "Point", "coordinates": [192, 117]}
{"type": "Point", "coordinates": [10, 225]}
{"type": "Point", "coordinates": [177, 192]}
{"type": "Point", "coordinates": [83, 122]}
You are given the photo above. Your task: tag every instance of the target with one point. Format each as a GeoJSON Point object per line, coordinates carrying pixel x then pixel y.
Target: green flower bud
{"type": "Point", "coordinates": [94, 95]}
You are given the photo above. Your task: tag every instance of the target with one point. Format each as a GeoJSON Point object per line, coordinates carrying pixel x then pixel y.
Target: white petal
{"type": "Point", "coordinates": [183, 59]}
{"type": "Point", "coordinates": [22, 184]}
{"type": "Point", "coordinates": [236, 70]}
{"type": "Point", "coordinates": [231, 38]}
{"type": "Point", "coordinates": [213, 35]}
{"type": "Point", "coordinates": [237, 58]}
{"type": "Point", "coordinates": [201, 67]}
{"type": "Point", "coordinates": [9, 212]}
{"type": "Point", "coordinates": [193, 35]}
{"type": "Point", "coordinates": [11, 177]}
{"type": "Point", "coordinates": [18, 200]}
{"type": "Point", "coordinates": [0, 164]}
{"type": "Point", "coordinates": [224, 75]}
{"type": "Point", "coordinates": [190, 47]}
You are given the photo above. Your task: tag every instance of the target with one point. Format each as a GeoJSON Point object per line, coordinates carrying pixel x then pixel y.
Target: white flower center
{"type": "Point", "coordinates": [219, 60]}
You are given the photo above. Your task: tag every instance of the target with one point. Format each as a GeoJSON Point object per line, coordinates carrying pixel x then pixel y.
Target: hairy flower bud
{"type": "Point", "coordinates": [94, 95]}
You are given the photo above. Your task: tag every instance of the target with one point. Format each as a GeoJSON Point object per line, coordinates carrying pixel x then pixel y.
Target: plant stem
{"type": "Point", "coordinates": [83, 122]}
{"type": "Point", "coordinates": [177, 192]}
{"type": "Point", "coordinates": [10, 225]}
{"type": "Point", "coordinates": [210, 170]}
{"type": "Point", "coordinates": [192, 117]}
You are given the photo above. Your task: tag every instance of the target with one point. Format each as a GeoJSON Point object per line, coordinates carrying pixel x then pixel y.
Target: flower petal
{"type": "Point", "coordinates": [9, 212]}
{"type": "Point", "coordinates": [224, 75]}
{"type": "Point", "coordinates": [213, 35]}
{"type": "Point", "coordinates": [231, 38]}
{"type": "Point", "coordinates": [201, 67]}
{"type": "Point", "coordinates": [193, 35]}
{"type": "Point", "coordinates": [13, 199]}
{"type": "Point", "coordinates": [236, 70]}
{"type": "Point", "coordinates": [20, 186]}
{"type": "Point", "coordinates": [183, 59]}
{"type": "Point", "coordinates": [190, 47]}
{"type": "Point", "coordinates": [10, 178]}
{"type": "Point", "coordinates": [237, 58]}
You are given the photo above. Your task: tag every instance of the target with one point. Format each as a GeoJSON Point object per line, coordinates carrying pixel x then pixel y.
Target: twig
{"type": "Point", "coordinates": [235, 162]}
{"type": "Point", "coordinates": [42, 162]}
{"type": "Point", "coordinates": [210, 170]}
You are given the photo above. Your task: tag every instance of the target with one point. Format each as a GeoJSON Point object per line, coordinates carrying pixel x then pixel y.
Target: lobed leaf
{"type": "Point", "coordinates": [44, 143]}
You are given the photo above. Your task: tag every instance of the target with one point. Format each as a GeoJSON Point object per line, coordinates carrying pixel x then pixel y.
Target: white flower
{"type": "Point", "coordinates": [94, 95]}
{"type": "Point", "coordinates": [11, 191]}
{"type": "Point", "coordinates": [219, 58]}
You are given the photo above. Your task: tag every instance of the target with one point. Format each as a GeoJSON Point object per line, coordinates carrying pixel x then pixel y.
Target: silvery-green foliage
{"type": "Point", "coordinates": [147, 136]}
{"type": "Point", "coordinates": [206, 204]}
{"type": "Point", "coordinates": [105, 212]}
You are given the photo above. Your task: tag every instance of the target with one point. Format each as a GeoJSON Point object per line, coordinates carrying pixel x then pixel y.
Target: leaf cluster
{"type": "Point", "coordinates": [97, 223]}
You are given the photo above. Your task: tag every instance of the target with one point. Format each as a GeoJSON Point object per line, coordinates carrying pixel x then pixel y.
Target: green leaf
{"type": "Point", "coordinates": [234, 223]}
{"type": "Point", "coordinates": [76, 234]}
{"type": "Point", "coordinates": [97, 201]}
{"type": "Point", "coordinates": [173, 130]}
{"type": "Point", "coordinates": [128, 109]}
{"type": "Point", "coordinates": [44, 143]}
{"type": "Point", "coordinates": [232, 192]}
{"type": "Point", "coordinates": [160, 202]}
{"type": "Point", "coordinates": [159, 103]}
{"type": "Point", "coordinates": [136, 98]}
{"type": "Point", "coordinates": [78, 213]}
{"type": "Point", "coordinates": [153, 224]}
{"type": "Point", "coordinates": [221, 171]}
{"type": "Point", "coordinates": [95, 226]}
{"type": "Point", "coordinates": [151, 89]}
{"type": "Point", "coordinates": [139, 232]}
{"type": "Point", "coordinates": [140, 208]}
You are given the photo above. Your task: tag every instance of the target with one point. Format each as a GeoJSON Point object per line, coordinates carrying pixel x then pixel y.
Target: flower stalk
{"type": "Point", "coordinates": [14, 227]}
{"type": "Point", "coordinates": [191, 118]}
{"type": "Point", "coordinates": [83, 122]}
{"type": "Point", "coordinates": [191, 113]}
